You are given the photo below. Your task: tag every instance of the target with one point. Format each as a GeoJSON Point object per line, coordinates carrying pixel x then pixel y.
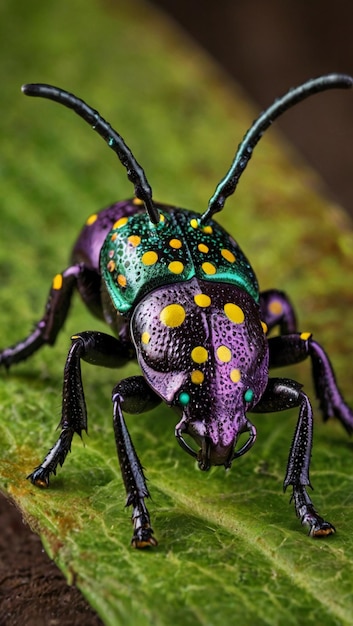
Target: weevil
{"type": "Point", "coordinates": [181, 297]}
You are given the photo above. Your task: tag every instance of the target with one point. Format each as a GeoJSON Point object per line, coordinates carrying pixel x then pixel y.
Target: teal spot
{"type": "Point", "coordinates": [184, 398]}
{"type": "Point", "coordinates": [248, 395]}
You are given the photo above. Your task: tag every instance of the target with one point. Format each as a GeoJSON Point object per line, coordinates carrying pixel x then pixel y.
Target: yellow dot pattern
{"type": "Point", "coordinates": [121, 222]}
{"type": "Point", "coordinates": [199, 354]}
{"type": "Point", "coordinates": [134, 240]}
{"type": "Point", "coordinates": [121, 280]}
{"type": "Point", "coordinates": [172, 315]}
{"type": "Point", "coordinates": [275, 307]}
{"type": "Point", "coordinates": [149, 258]}
{"type": "Point", "coordinates": [176, 267]}
{"type": "Point", "coordinates": [197, 377]}
{"type": "Point", "coordinates": [91, 219]}
{"type": "Point", "coordinates": [176, 249]}
{"type": "Point", "coordinates": [224, 354]}
{"type": "Point", "coordinates": [202, 300]}
{"type": "Point", "coordinates": [235, 375]}
{"type": "Point", "coordinates": [228, 255]}
{"type": "Point", "coordinates": [203, 357]}
{"type": "Point", "coordinates": [175, 243]}
{"type": "Point", "coordinates": [264, 327]}
{"type": "Point", "coordinates": [305, 336]}
{"type": "Point", "coordinates": [111, 266]}
{"type": "Point", "coordinates": [145, 338]}
{"type": "Point", "coordinates": [209, 268]}
{"type": "Point", "coordinates": [234, 313]}
{"type": "Point", "coordinates": [57, 282]}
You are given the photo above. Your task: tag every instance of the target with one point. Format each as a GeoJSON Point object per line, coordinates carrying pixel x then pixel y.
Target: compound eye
{"type": "Point", "coordinates": [248, 395]}
{"type": "Point", "coordinates": [184, 398]}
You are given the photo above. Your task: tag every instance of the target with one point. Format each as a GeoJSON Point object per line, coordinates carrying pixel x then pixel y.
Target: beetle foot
{"type": "Point", "coordinates": [143, 532]}
{"type": "Point", "coordinates": [318, 527]}
{"type": "Point", "coordinates": [143, 538]}
{"type": "Point", "coordinates": [39, 477]}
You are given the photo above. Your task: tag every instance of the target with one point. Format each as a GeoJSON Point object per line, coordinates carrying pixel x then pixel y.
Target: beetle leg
{"type": "Point", "coordinates": [279, 395]}
{"type": "Point", "coordinates": [291, 349]}
{"type": "Point", "coordinates": [94, 347]}
{"type": "Point", "coordinates": [134, 396]}
{"type": "Point", "coordinates": [276, 310]}
{"type": "Point", "coordinates": [47, 329]}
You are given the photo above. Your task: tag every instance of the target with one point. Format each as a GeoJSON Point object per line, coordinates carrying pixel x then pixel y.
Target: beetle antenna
{"type": "Point", "coordinates": [229, 183]}
{"type": "Point", "coordinates": [135, 172]}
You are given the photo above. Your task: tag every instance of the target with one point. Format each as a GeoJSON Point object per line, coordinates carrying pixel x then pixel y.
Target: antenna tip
{"type": "Point", "coordinates": [27, 88]}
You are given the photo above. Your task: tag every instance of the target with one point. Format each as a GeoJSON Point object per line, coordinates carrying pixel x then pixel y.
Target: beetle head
{"type": "Point", "coordinates": [216, 429]}
{"type": "Point", "coordinates": [203, 350]}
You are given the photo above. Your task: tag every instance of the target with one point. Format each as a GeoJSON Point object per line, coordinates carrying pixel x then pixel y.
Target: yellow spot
{"type": "Point", "coordinates": [275, 307]}
{"type": "Point", "coordinates": [224, 354]}
{"type": "Point", "coordinates": [92, 219]}
{"type": "Point", "coordinates": [194, 223]}
{"type": "Point", "coordinates": [235, 376]}
{"type": "Point", "coordinates": [145, 338]}
{"type": "Point", "coordinates": [111, 266]}
{"type": "Point", "coordinates": [208, 268]}
{"type": "Point", "coordinates": [202, 299]}
{"type": "Point", "coordinates": [208, 230]}
{"type": "Point", "coordinates": [234, 313]}
{"type": "Point", "coordinates": [172, 315]}
{"type": "Point", "coordinates": [203, 248]}
{"type": "Point", "coordinates": [113, 237]}
{"type": "Point", "coordinates": [175, 243]}
{"type": "Point", "coordinates": [197, 377]}
{"type": "Point", "coordinates": [305, 336]}
{"type": "Point", "coordinates": [120, 223]}
{"type": "Point", "coordinates": [57, 282]}
{"type": "Point", "coordinates": [121, 280]}
{"type": "Point", "coordinates": [73, 337]}
{"type": "Point", "coordinates": [228, 255]}
{"type": "Point", "coordinates": [199, 354]}
{"type": "Point", "coordinates": [161, 218]}
{"type": "Point", "coordinates": [149, 258]}
{"type": "Point", "coordinates": [264, 327]}
{"type": "Point", "coordinates": [135, 240]}
{"type": "Point", "coordinates": [176, 267]}
{"type": "Point", "coordinates": [137, 202]}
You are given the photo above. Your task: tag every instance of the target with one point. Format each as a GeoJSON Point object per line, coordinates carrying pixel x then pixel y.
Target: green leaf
{"type": "Point", "coordinates": [230, 548]}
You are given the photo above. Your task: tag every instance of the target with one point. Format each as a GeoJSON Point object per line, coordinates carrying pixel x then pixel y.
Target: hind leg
{"type": "Point", "coordinates": [47, 329]}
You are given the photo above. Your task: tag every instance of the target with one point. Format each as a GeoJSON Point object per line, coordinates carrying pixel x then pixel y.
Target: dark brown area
{"type": "Point", "coordinates": [266, 46]}
{"type": "Point", "coordinates": [33, 592]}
{"type": "Point", "coordinates": [273, 45]}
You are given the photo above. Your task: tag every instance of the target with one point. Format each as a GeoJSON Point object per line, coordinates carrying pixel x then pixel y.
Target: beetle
{"type": "Point", "coordinates": [182, 299]}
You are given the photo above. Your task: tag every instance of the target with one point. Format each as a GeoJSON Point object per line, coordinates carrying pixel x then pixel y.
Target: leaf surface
{"type": "Point", "coordinates": [230, 548]}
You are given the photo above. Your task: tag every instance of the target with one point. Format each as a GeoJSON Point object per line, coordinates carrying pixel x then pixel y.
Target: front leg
{"type": "Point", "coordinates": [93, 347]}
{"type": "Point", "coordinates": [134, 396]}
{"type": "Point", "coordinates": [279, 395]}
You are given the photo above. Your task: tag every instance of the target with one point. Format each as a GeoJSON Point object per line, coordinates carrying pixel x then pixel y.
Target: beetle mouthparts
{"type": "Point", "coordinates": [215, 455]}
{"type": "Point", "coordinates": [204, 455]}
{"type": "Point", "coordinates": [178, 433]}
